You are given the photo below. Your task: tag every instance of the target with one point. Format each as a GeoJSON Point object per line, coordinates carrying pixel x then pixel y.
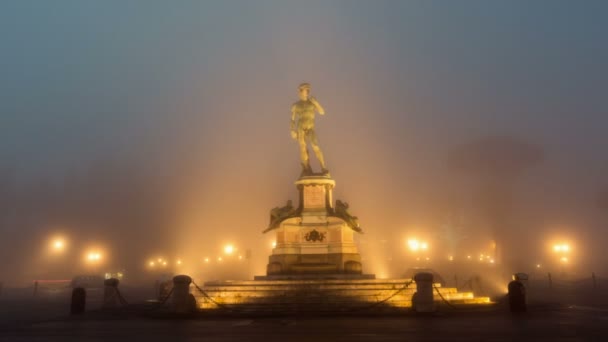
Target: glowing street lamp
{"type": "Point", "coordinates": [413, 245]}
{"type": "Point", "coordinates": [228, 249]}
{"type": "Point", "coordinates": [93, 257]}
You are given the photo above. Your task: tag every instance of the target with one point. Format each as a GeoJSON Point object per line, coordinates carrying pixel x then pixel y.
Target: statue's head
{"type": "Point", "coordinates": [304, 91]}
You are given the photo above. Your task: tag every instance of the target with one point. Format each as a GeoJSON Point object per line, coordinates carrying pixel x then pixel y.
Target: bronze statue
{"type": "Point", "coordinates": [341, 211]}
{"type": "Point", "coordinates": [303, 127]}
{"type": "Point", "coordinates": [280, 214]}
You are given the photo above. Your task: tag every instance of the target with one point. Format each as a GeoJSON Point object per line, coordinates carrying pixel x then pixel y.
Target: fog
{"type": "Point", "coordinates": [151, 129]}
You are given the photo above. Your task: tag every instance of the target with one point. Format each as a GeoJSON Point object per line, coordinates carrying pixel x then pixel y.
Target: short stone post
{"type": "Point", "coordinates": [79, 299]}
{"type": "Point", "coordinates": [111, 298]}
{"type": "Point", "coordinates": [423, 301]}
{"type": "Point", "coordinates": [183, 301]}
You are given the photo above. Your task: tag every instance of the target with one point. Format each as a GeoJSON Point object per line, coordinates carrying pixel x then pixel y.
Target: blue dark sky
{"type": "Point", "coordinates": [197, 94]}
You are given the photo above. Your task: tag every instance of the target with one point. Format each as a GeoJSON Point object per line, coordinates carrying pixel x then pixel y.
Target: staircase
{"type": "Point", "coordinates": [319, 295]}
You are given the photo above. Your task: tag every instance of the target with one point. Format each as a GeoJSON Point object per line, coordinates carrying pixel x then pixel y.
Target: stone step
{"type": "Point", "coordinates": [319, 295]}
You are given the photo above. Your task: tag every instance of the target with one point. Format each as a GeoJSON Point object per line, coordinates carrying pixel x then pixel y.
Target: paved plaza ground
{"type": "Point", "coordinates": [553, 316]}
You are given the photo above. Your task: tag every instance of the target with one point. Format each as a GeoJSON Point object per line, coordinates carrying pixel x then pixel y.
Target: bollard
{"type": "Point", "coordinates": [111, 298]}
{"type": "Point", "coordinates": [517, 295]}
{"type": "Point", "coordinates": [79, 298]}
{"type": "Point", "coordinates": [423, 301]}
{"type": "Point", "coordinates": [36, 288]}
{"type": "Point", "coordinates": [183, 301]}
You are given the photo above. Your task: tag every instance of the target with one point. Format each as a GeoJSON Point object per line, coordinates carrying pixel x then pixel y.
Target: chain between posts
{"type": "Point", "coordinates": [443, 298]}
{"type": "Point", "coordinates": [220, 305]}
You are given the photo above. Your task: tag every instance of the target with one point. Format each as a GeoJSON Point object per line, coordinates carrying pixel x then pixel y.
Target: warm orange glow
{"type": "Point", "coordinates": [228, 249]}
{"type": "Point", "coordinates": [93, 256]}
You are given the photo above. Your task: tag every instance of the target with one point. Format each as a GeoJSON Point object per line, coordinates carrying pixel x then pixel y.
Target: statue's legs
{"type": "Point", "coordinates": [304, 159]}
{"type": "Point", "coordinates": [314, 142]}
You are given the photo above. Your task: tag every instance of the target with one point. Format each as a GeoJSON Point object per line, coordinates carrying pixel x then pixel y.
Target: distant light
{"type": "Point", "coordinates": [58, 245]}
{"type": "Point", "coordinates": [427, 258]}
{"type": "Point", "coordinates": [564, 247]}
{"type": "Point", "coordinates": [93, 256]}
{"type": "Point", "coordinates": [564, 260]}
{"type": "Point", "coordinates": [179, 262]}
{"type": "Point", "coordinates": [207, 260]}
{"type": "Point", "coordinates": [228, 249]}
{"type": "Point", "coordinates": [413, 244]}
{"type": "Point", "coordinates": [151, 263]}
{"type": "Point", "coordinates": [451, 258]}
{"type": "Point", "coordinates": [240, 257]}
{"type": "Point", "coordinates": [219, 258]}
{"type": "Point", "coordinates": [424, 246]}
{"type": "Point", "coordinates": [164, 263]}
{"type": "Point", "coordinates": [469, 257]}
{"type": "Point", "coordinates": [274, 244]}
{"type": "Point", "coordinates": [160, 260]}
{"type": "Point", "coordinates": [537, 265]}
{"type": "Point", "coordinates": [491, 261]}
{"type": "Point", "coordinates": [418, 259]}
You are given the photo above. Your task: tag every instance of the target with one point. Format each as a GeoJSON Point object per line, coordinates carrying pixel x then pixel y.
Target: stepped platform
{"type": "Point", "coordinates": [319, 295]}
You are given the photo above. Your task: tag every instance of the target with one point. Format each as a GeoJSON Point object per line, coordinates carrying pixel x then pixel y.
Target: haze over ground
{"type": "Point", "coordinates": [150, 127]}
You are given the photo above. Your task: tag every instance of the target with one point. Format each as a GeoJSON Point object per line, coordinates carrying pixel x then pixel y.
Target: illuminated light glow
{"type": "Point", "coordinates": [93, 256]}
{"type": "Point", "coordinates": [273, 244]}
{"type": "Point", "coordinates": [164, 263]}
{"type": "Point", "coordinates": [151, 263]}
{"type": "Point", "coordinates": [491, 261]}
{"type": "Point", "coordinates": [219, 258]}
{"type": "Point", "coordinates": [537, 265]}
{"type": "Point", "coordinates": [58, 244]}
{"type": "Point", "coordinates": [563, 259]}
{"type": "Point", "coordinates": [413, 244]}
{"type": "Point", "coordinates": [159, 260]}
{"type": "Point", "coordinates": [228, 249]}
{"type": "Point", "coordinates": [418, 259]}
{"type": "Point", "coordinates": [179, 262]}
{"type": "Point", "coordinates": [451, 258]}
{"type": "Point", "coordinates": [240, 257]}
{"type": "Point", "coordinates": [564, 247]}
{"type": "Point", "coordinates": [424, 246]}
{"type": "Point", "coordinates": [469, 257]}
{"type": "Point", "coordinates": [207, 260]}
{"type": "Point", "coordinates": [427, 258]}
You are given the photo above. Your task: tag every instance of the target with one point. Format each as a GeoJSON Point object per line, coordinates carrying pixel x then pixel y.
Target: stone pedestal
{"type": "Point", "coordinates": [314, 240]}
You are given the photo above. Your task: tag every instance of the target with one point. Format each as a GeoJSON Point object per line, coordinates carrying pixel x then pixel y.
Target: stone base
{"type": "Point", "coordinates": [294, 264]}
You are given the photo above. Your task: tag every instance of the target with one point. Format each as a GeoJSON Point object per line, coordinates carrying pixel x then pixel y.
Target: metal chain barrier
{"type": "Point", "coordinates": [220, 305]}
{"type": "Point", "coordinates": [163, 301]}
{"type": "Point", "coordinates": [384, 300]}
{"type": "Point", "coordinates": [443, 298]}
{"type": "Point", "coordinates": [122, 299]}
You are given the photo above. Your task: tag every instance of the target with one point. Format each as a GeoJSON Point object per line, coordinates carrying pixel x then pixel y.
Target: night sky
{"type": "Point", "coordinates": [163, 126]}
